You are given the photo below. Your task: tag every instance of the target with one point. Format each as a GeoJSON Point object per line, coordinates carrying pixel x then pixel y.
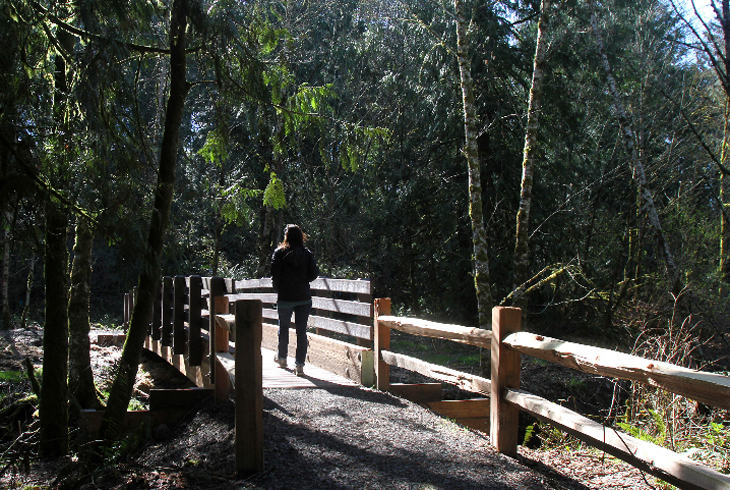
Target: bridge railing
{"type": "Point", "coordinates": [182, 330]}
{"type": "Point", "coordinates": [507, 343]}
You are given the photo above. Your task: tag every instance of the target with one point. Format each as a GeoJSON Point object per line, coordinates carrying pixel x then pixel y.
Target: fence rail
{"type": "Point", "coordinates": [507, 343]}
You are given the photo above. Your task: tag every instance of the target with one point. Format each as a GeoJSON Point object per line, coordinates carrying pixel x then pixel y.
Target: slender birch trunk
{"type": "Point", "coordinates": [482, 281]}
{"type": "Point", "coordinates": [638, 167]}
{"type": "Point", "coordinates": [725, 206]}
{"type": "Point", "coordinates": [149, 279]}
{"type": "Point", "coordinates": [529, 154]}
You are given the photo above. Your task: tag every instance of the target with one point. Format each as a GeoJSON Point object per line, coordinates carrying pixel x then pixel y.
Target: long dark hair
{"type": "Point", "coordinates": [293, 237]}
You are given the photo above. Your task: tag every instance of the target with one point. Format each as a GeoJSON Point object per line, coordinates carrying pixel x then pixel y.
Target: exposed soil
{"type": "Point", "coordinates": [318, 438]}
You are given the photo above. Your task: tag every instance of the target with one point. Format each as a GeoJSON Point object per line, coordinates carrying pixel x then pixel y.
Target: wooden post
{"type": "Point", "coordinates": [216, 289]}
{"type": "Point", "coordinates": [178, 316]}
{"type": "Point", "coordinates": [504, 417]}
{"type": "Point", "coordinates": [382, 342]}
{"type": "Point", "coordinates": [248, 387]}
{"type": "Point", "coordinates": [156, 314]}
{"type": "Point", "coordinates": [127, 312]}
{"type": "Point", "coordinates": [195, 344]}
{"type": "Point", "coordinates": [167, 292]}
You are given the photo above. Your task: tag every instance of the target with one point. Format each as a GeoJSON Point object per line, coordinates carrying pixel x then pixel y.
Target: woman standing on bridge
{"type": "Point", "coordinates": [292, 269]}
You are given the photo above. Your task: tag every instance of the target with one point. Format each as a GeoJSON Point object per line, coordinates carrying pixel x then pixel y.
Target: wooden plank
{"type": "Point", "coordinates": [656, 460]}
{"type": "Point", "coordinates": [465, 381]}
{"type": "Point", "coordinates": [504, 419]}
{"type": "Point", "coordinates": [344, 327]}
{"type": "Point", "coordinates": [263, 283]}
{"type": "Point", "coordinates": [249, 440]}
{"type": "Point", "coordinates": [228, 363]}
{"type": "Point", "coordinates": [473, 413]}
{"type": "Point", "coordinates": [314, 376]}
{"type": "Point", "coordinates": [457, 333]}
{"type": "Point", "coordinates": [709, 388]}
{"type": "Point", "coordinates": [355, 286]}
{"type": "Point", "coordinates": [461, 409]}
{"type": "Point", "coordinates": [423, 393]}
{"type": "Point", "coordinates": [356, 330]}
{"type": "Point", "coordinates": [342, 306]}
{"type": "Point", "coordinates": [268, 298]}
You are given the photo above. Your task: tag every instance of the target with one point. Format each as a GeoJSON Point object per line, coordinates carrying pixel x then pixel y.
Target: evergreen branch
{"type": "Point", "coordinates": [43, 186]}
{"type": "Point", "coordinates": [723, 169]}
{"type": "Point", "coordinates": [83, 33]}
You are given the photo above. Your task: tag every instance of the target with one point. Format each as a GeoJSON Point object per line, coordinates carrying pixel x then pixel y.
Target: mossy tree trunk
{"type": "Point", "coordinates": [529, 155]}
{"type": "Point", "coordinates": [81, 377]}
{"type": "Point", "coordinates": [480, 259]}
{"type": "Point", "coordinates": [149, 279]}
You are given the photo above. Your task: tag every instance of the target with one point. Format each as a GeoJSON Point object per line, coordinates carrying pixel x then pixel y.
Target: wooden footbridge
{"type": "Point", "coordinates": [222, 335]}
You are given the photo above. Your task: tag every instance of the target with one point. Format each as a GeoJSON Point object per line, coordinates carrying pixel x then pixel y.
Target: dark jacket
{"type": "Point", "coordinates": [292, 269]}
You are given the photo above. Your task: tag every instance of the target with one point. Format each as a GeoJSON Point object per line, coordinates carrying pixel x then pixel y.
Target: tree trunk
{"type": "Point", "coordinates": [522, 236]}
{"type": "Point", "coordinates": [482, 281]}
{"type": "Point", "coordinates": [7, 322]}
{"type": "Point", "coordinates": [724, 206]}
{"type": "Point", "coordinates": [81, 377]}
{"type": "Point", "coordinates": [28, 288]}
{"type": "Point", "coordinates": [54, 390]}
{"type": "Point", "coordinates": [149, 279]}
{"type": "Point", "coordinates": [639, 173]}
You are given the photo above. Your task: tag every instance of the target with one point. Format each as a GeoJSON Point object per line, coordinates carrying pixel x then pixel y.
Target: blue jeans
{"type": "Point", "coordinates": [301, 315]}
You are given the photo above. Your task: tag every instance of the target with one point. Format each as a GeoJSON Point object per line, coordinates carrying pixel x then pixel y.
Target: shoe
{"type": "Point", "coordinates": [280, 361]}
{"type": "Point", "coordinates": [299, 369]}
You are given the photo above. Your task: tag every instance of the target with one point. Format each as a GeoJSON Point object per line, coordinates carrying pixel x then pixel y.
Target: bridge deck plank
{"type": "Point", "coordinates": [314, 377]}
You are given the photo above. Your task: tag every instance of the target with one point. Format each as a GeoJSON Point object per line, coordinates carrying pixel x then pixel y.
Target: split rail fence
{"type": "Point", "coordinates": [507, 342]}
{"type": "Point", "coordinates": [346, 342]}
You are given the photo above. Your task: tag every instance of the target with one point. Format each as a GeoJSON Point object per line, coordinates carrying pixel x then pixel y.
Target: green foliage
{"type": "Point", "coordinates": [236, 208]}
{"type": "Point", "coordinates": [215, 149]}
{"type": "Point", "coordinates": [655, 433]}
{"type": "Point", "coordinates": [274, 193]}
{"type": "Point", "coordinates": [11, 376]}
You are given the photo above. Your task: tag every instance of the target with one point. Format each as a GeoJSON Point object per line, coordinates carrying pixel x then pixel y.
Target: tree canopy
{"type": "Point", "coordinates": [346, 117]}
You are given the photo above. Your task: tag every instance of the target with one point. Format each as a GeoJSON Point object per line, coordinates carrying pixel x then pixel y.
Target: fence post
{"type": "Point", "coordinates": [504, 417]}
{"type": "Point", "coordinates": [167, 294]}
{"type": "Point", "coordinates": [178, 316]}
{"type": "Point", "coordinates": [216, 290]}
{"type": "Point", "coordinates": [157, 314]}
{"type": "Point", "coordinates": [249, 396]}
{"type": "Point", "coordinates": [127, 312]}
{"type": "Point", "coordinates": [382, 342]}
{"type": "Point", "coordinates": [195, 349]}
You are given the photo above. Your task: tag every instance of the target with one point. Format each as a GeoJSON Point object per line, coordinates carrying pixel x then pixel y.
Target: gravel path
{"type": "Point", "coordinates": [350, 438]}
